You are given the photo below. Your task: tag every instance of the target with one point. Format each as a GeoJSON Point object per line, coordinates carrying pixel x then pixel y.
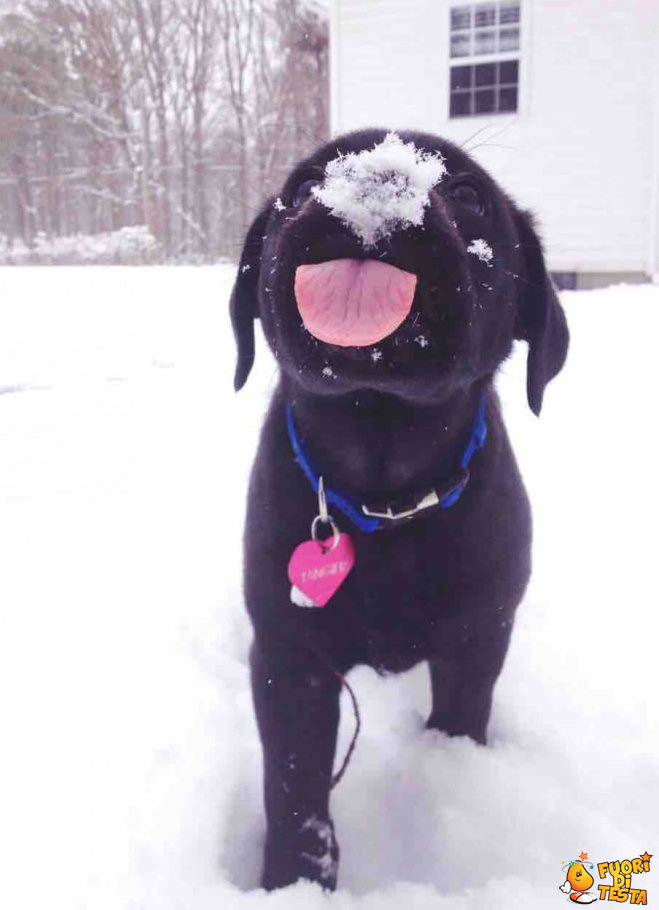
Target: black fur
{"type": "Point", "coordinates": [441, 588]}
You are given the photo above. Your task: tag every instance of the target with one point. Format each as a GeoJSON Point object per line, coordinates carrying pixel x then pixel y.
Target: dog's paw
{"type": "Point", "coordinates": [311, 853]}
{"type": "Point", "coordinates": [323, 850]}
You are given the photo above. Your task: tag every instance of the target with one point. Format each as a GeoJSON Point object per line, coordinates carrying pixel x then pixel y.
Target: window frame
{"type": "Point", "coordinates": [466, 25]}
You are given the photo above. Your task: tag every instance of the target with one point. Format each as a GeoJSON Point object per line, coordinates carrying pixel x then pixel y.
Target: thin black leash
{"type": "Point", "coordinates": [336, 778]}
{"type": "Point", "coordinates": [358, 723]}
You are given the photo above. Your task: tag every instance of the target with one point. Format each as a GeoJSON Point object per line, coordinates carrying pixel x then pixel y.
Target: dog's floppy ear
{"type": "Point", "coordinates": [540, 317]}
{"type": "Point", "coordinates": [244, 297]}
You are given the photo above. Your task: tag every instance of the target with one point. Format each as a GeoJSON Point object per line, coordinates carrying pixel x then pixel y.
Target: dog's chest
{"type": "Point", "coordinates": [402, 596]}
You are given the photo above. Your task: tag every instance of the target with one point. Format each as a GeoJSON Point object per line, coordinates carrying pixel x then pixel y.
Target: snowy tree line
{"type": "Point", "coordinates": [178, 115]}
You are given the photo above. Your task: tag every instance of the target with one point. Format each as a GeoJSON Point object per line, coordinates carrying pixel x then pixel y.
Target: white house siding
{"type": "Point", "coordinates": [583, 149]}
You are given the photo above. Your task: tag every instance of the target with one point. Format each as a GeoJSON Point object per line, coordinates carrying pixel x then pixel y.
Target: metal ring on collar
{"type": "Point", "coordinates": [330, 521]}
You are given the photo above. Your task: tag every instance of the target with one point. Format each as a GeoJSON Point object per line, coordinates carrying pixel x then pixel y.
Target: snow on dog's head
{"type": "Point", "coordinates": [377, 190]}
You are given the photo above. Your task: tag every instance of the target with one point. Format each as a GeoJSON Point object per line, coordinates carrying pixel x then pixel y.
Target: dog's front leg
{"type": "Point", "coordinates": [296, 698]}
{"type": "Point", "coordinates": [462, 685]}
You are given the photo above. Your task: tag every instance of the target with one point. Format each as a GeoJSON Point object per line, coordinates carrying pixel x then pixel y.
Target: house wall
{"type": "Point", "coordinates": [582, 151]}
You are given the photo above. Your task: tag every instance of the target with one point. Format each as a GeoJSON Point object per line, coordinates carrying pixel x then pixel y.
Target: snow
{"type": "Point", "coordinates": [482, 250]}
{"type": "Point", "coordinates": [379, 190]}
{"type": "Point", "coordinates": [131, 763]}
{"type": "Point", "coordinates": [325, 861]}
{"type": "Point", "coordinates": [129, 245]}
{"type": "Point", "coordinates": [300, 599]}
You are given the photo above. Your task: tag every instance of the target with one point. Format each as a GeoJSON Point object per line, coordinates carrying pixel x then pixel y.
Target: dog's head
{"type": "Point", "coordinates": [394, 262]}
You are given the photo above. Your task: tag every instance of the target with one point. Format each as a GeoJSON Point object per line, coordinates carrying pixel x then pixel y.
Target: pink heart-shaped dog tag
{"type": "Point", "coordinates": [318, 569]}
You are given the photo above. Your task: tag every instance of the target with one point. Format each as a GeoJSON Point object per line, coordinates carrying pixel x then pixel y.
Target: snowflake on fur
{"type": "Point", "coordinates": [482, 249]}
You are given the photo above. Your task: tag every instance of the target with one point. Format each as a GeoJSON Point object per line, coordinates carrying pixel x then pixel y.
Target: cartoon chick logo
{"type": "Point", "coordinates": [579, 881]}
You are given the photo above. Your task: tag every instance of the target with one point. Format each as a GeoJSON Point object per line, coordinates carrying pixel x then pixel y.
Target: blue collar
{"type": "Point", "coordinates": [369, 519]}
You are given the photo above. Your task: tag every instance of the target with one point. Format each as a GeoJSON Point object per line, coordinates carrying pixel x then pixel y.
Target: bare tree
{"type": "Point", "coordinates": [177, 114]}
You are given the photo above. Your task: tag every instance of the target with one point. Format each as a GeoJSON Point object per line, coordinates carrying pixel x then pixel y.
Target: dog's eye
{"type": "Point", "coordinates": [303, 192]}
{"type": "Point", "coordinates": [468, 195]}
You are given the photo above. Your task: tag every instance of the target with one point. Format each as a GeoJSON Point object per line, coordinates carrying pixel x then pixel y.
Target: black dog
{"type": "Point", "coordinates": [396, 428]}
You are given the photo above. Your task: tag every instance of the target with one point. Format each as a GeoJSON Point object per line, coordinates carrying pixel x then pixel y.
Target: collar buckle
{"type": "Point", "coordinates": [437, 497]}
{"type": "Point", "coordinates": [430, 499]}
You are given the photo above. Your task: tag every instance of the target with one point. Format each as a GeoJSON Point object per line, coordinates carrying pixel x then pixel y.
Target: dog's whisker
{"type": "Point", "coordinates": [465, 145]}
{"type": "Point", "coordinates": [500, 132]}
{"type": "Point", "coordinates": [496, 145]}
{"type": "Point", "coordinates": [524, 280]}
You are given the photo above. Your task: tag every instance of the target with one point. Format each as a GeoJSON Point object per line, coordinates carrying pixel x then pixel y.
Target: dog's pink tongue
{"type": "Point", "coordinates": [353, 302]}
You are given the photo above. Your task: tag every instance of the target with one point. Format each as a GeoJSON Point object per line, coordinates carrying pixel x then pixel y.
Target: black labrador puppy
{"type": "Point", "coordinates": [391, 277]}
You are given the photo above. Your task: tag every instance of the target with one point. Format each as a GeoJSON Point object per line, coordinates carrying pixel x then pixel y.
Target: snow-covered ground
{"type": "Point", "coordinates": [130, 761]}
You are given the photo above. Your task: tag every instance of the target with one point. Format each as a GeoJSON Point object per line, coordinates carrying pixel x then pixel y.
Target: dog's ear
{"type": "Point", "coordinates": [244, 306]}
{"type": "Point", "coordinates": [540, 317]}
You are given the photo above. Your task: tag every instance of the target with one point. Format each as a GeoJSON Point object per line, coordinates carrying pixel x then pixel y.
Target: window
{"type": "Point", "coordinates": [484, 88]}
{"type": "Point", "coordinates": [488, 30]}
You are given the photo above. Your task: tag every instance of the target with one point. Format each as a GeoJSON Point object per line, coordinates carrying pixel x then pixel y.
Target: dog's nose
{"type": "Point", "coordinates": [380, 190]}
